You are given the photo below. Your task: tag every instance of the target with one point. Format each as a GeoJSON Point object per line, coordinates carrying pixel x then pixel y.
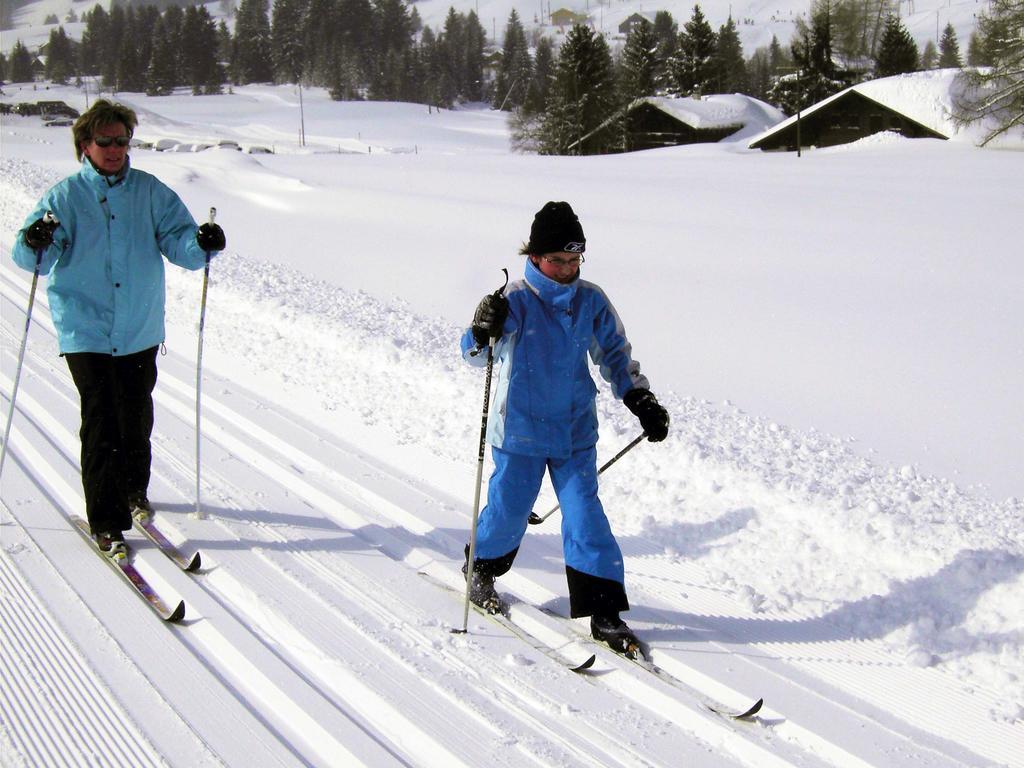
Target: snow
{"type": "Point", "coordinates": [721, 110]}
{"type": "Point", "coordinates": [834, 522]}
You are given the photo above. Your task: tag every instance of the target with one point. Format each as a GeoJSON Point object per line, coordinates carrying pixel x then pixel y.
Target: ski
{"type": "Point", "coordinates": [644, 661]}
{"type": "Point", "coordinates": [124, 566]}
{"type": "Point", "coordinates": [503, 620]}
{"type": "Point", "coordinates": [151, 532]}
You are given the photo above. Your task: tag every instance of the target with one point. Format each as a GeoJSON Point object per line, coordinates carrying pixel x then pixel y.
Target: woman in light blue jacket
{"type": "Point", "coordinates": [104, 263]}
{"type": "Point", "coordinates": [543, 419]}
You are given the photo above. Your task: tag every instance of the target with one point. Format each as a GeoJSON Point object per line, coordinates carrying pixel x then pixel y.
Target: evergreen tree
{"type": "Point", "coordinates": [93, 48]}
{"type": "Point", "coordinates": [3, 67]}
{"type": "Point", "coordinates": [286, 36]}
{"type": "Point", "coordinates": [394, 41]}
{"type": "Point", "coordinates": [897, 51]}
{"type": "Point", "coordinates": [515, 70]}
{"type": "Point", "coordinates": [320, 37]}
{"type": "Point", "coordinates": [543, 75]}
{"type": "Point", "coordinates": [692, 68]}
{"type": "Point", "coordinates": [582, 99]}
{"type": "Point", "coordinates": [759, 74]}
{"type": "Point", "coordinates": [816, 77]}
{"type": "Point", "coordinates": [201, 69]}
{"type": "Point", "coordinates": [251, 60]}
{"type": "Point", "coordinates": [949, 49]}
{"type": "Point", "coordinates": [451, 46]}
{"type": "Point", "coordinates": [729, 68]}
{"type": "Point", "coordinates": [977, 56]}
{"type": "Point", "coordinates": [130, 72]}
{"type": "Point", "coordinates": [162, 73]}
{"type": "Point", "coordinates": [475, 41]}
{"type": "Point", "coordinates": [146, 17]}
{"type": "Point", "coordinates": [60, 57]}
{"type": "Point", "coordinates": [777, 59]}
{"type": "Point", "coordinates": [929, 56]}
{"type": "Point", "coordinates": [997, 94]}
{"type": "Point", "coordinates": [667, 32]}
{"type": "Point", "coordinates": [112, 46]}
{"type": "Point", "coordinates": [638, 68]}
{"type": "Point", "coordinates": [430, 61]}
{"type": "Point", "coordinates": [174, 26]}
{"type": "Point", "coordinates": [20, 64]}
{"type": "Point", "coordinates": [223, 42]}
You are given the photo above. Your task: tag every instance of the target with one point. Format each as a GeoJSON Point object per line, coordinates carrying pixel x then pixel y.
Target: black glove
{"type": "Point", "coordinates": [653, 418]}
{"type": "Point", "coordinates": [211, 237]}
{"type": "Point", "coordinates": [489, 318]}
{"type": "Point", "coordinates": [39, 235]}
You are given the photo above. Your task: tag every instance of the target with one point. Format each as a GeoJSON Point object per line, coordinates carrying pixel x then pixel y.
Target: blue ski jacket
{"type": "Point", "coordinates": [543, 403]}
{"type": "Point", "coordinates": [105, 269]}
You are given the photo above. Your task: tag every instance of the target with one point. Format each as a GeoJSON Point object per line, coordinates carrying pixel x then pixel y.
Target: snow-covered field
{"type": "Point", "coordinates": [834, 522]}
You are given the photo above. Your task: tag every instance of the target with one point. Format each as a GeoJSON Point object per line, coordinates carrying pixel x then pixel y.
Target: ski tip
{"type": "Point", "coordinates": [195, 563]}
{"type": "Point", "coordinates": [586, 664]}
{"type": "Point", "coordinates": [177, 614]}
{"type": "Point", "coordinates": [754, 709]}
{"type": "Point", "coordinates": [745, 715]}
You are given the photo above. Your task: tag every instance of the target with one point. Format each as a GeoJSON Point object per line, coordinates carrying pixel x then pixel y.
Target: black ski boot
{"type": "Point", "coordinates": [611, 629]}
{"type": "Point", "coordinates": [483, 594]}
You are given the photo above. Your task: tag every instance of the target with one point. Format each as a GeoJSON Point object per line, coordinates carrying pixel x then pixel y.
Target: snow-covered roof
{"type": "Point", "coordinates": [927, 98]}
{"type": "Point", "coordinates": [719, 111]}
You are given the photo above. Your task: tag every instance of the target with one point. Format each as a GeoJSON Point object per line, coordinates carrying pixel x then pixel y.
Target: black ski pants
{"type": "Point", "coordinates": [117, 421]}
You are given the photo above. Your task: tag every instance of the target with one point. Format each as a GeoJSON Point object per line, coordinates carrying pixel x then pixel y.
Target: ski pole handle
{"type": "Point", "coordinates": [494, 339]}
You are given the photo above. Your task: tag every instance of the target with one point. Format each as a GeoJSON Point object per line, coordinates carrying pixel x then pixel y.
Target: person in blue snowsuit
{"type": "Point", "coordinates": [100, 236]}
{"type": "Point", "coordinates": [543, 419]}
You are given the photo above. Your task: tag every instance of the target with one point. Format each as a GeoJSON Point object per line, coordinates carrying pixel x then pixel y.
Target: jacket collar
{"type": "Point", "coordinates": [551, 292]}
{"type": "Point", "coordinates": [97, 179]}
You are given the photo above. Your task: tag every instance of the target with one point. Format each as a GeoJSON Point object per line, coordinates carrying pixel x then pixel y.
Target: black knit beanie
{"type": "Point", "coordinates": [556, 228]}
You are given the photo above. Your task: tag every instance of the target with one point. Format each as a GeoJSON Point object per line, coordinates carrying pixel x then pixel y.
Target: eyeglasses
{"type": "Point", "coordinates": [572, 261]}
{"type": "Point", "coordinates": [106, 141]}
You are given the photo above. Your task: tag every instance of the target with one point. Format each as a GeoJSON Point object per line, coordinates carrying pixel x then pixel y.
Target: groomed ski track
{"type": "Point", "coordinates": [311, 639]}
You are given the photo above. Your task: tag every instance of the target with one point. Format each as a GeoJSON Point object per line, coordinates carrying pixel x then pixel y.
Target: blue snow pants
{"type": "Point", "coordinates": [593, 560]}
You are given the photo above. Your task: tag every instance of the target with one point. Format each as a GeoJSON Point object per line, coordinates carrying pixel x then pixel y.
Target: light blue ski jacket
{"type": "Point", "coordinates": [105, 269]}
{"type": "Point", "coordinates": [543, 403]}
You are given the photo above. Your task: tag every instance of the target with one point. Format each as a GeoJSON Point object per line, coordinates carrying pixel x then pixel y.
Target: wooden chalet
{"type": "Point", "coordinates": [632, 21]}
{"type": "Point", "coordinates": [658, 121]}
{"type": "Point", "coordinates": [563, 17]}
{"type": "Point", "coordinates": [863, 110]}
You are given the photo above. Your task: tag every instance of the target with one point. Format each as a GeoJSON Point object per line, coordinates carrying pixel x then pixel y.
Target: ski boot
{"type": "Point", "coordinates": [609, 628]}
{"type": "Point", "coordinates": [141, 509]}
{"type": "Point", "coordinates": [483, 594]}
{"type": "Point", "coordinates": [112, 545]}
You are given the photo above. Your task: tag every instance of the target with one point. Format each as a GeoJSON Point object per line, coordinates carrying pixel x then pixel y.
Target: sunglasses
{"type": "Point", "coordinates": [106, 141]}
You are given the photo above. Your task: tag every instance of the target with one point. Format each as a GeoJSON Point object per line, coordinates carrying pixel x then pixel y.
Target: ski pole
{"type": "Point", "coordinates": [536, 519]}
{"type": "Point", "coordinates": [199, 514]}
{"type": "Point", "coordinates": [471, 556]}
{"type": "Point", "coordinates": [52, 222]}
